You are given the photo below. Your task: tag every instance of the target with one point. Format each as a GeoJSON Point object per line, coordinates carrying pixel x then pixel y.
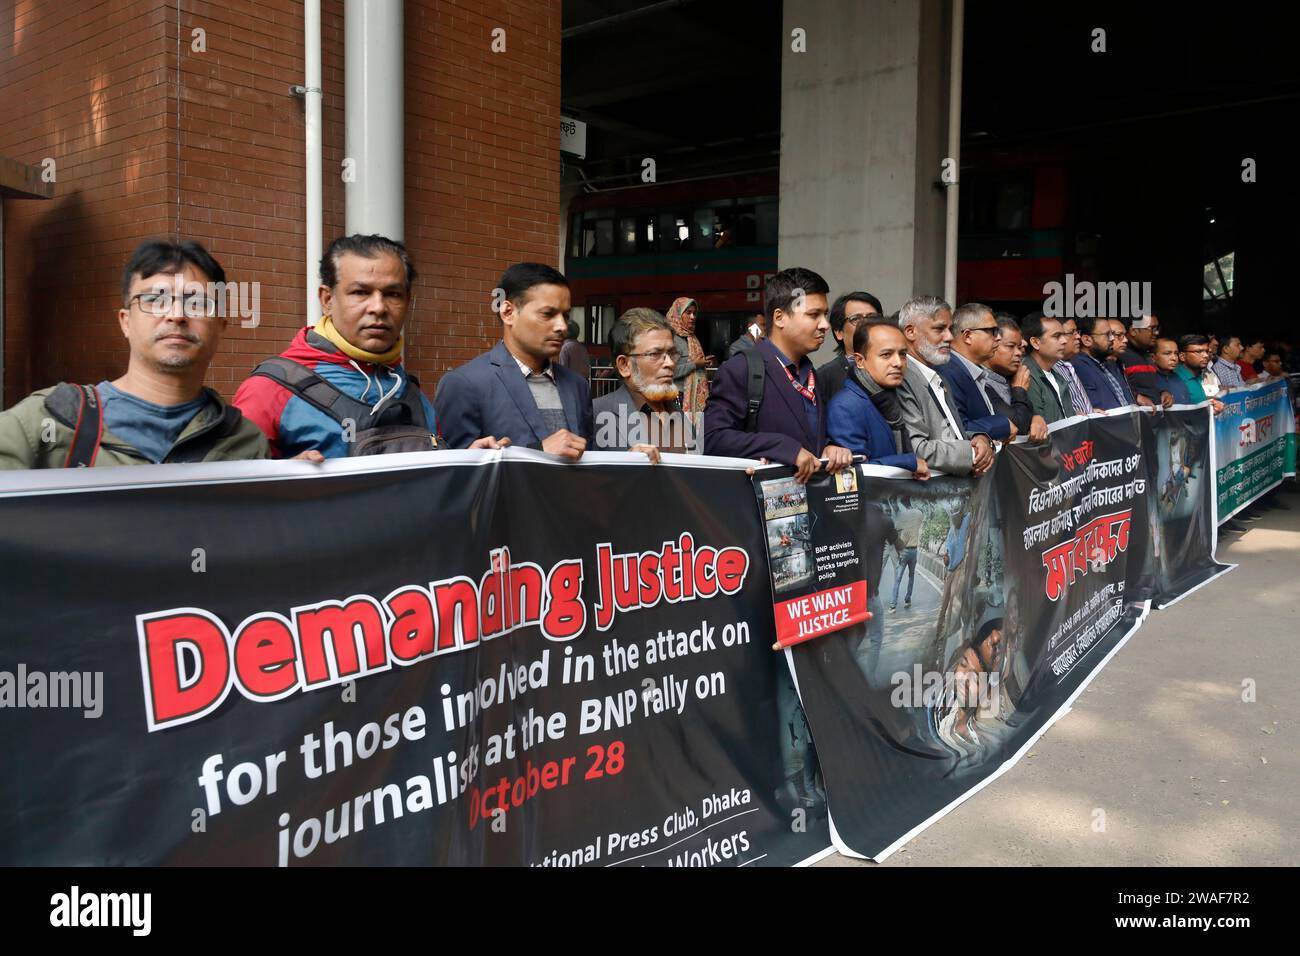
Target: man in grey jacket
{"type": "Point", "coordinates": [929, 411]}
{"type": "Point", "coordinates": [643, 414]}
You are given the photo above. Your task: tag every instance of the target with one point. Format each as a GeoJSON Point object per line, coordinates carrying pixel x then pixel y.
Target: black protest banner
{"type": "Point", "coordinates": [426, 659]}
{"type": "Point", "coordinates": [1184, 532]}
{"type": "Point", "coordinates": [1005, 596]}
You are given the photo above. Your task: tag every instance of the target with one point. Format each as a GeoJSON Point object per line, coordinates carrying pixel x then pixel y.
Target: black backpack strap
{"type": "Point", "coordinates": [754, 359]}
{"type": "Point", "coordinates": [314, 390]}
{"type": "Point", "coordinates": [78, 407]}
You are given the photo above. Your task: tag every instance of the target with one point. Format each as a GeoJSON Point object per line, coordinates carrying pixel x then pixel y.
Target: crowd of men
{"type": "Point", "coordinates": [928, 389]}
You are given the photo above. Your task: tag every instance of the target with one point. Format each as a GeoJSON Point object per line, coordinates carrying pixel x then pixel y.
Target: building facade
{"type": "Point", "coordinates": [175, 118]}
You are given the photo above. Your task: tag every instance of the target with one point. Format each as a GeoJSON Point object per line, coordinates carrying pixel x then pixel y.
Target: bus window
{"type": "Point", "coordinates": [575, 234]}
{"type": "Point", "coordinates": [627, 236]}
{"type": "Point", "coordinates": [604, 237]}
{"type": "Point", "coordinates": [645, 231]}
{"type": "Point", "coordinates": [600, 320]}
{"type": "Point", "coordinates": [675, 231]}
{"type": "Point", "coordinates": [765, 222]}
{"type": "Point", "coordinates": [702, 238]}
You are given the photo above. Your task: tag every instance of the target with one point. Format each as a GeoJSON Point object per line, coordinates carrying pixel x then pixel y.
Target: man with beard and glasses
{"type": "Point", "coordinates": [1093, 366]}
{"type": "Point", "coordinates": [158, 411]}
{"type": "Point", "coordinates": [644, 413]}
{"type": "Point", "coordinates": [929, 409]}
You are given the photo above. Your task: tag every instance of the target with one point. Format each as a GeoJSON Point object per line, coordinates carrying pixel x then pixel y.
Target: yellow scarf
{"type": "Point", "coordinates": [325, 329]}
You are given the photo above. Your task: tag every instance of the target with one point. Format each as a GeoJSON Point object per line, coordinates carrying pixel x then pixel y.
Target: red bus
{"type": "Point", "coordinates": [711, 239]}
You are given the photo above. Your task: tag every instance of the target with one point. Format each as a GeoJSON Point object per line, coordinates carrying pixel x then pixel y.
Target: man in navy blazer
{"type": "Point", "coordinates": [1103, 388]}
{"type": "Point", "coordinates": [975, 338]}
{"type": "Point", "coordinates": [791, 421]}
{"type": "Point", "coordinates": [790, 428]}
{"type": "Point", "coordinates": [517, 390]}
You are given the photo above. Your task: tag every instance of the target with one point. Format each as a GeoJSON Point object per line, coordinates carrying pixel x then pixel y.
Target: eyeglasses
{"type": "Point", "coordinates": [994, 330]}
{"type": "Point", "coordinates": [658, 355]}
{"type": "Point", "coordinates": [195, 306]}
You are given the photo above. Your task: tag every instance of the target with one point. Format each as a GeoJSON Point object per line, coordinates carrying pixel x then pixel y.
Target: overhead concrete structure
{"type": "Point", "coordinates": [863, 124]}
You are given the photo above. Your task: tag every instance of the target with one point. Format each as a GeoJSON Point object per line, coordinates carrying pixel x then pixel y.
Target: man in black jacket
{"type": "Point", "coordinates": [1007, 384]}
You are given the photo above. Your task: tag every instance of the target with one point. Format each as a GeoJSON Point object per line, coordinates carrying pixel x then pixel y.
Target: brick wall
{"type": "Point", "coordinates": [153, 137]}
{"type": "Point", "coordinates": [482, 164]}
{"type": "Point", "coordinates": [85, 84]}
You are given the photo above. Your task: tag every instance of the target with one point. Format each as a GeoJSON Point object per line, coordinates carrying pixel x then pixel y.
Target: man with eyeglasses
{"type": "Point", "coordinates": [846, 312]}
{"type": "Point", "coordinates": [1194, 357]}
{"type": "Point", "coordinates": [1135, 358]}
{"type": "Point", "coordinates": [158, 411]}
{"type": "Point", "coordinates": [644, 413]}
{"type": "Point", "coordinates": [975, 336]}
{"type": "Point", "coordinates": [928, 407]}
{"type": "Point", "coordinates": [1103, 389]}
{"type": "Point", "coordinates": [1118, 343]}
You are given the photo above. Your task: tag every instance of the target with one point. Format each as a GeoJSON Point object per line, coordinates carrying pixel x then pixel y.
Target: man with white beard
{"type": "Point", "coordinates": [644, 413]}
{"type": "Point", "coordinates": [930, 413]}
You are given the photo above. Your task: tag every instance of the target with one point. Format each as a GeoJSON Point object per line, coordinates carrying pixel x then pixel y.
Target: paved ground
{"type": "Point", "coordinates": [1186, 772]}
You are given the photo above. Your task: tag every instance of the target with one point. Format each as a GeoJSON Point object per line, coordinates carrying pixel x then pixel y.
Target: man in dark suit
{"type": "Point", "coordinates": [791, 422]}
{"type": "Point", "coordinates": [790, 427]}
{"type": "Point", "coordinates": [975, 334]}
{"type": "Point", "coordinates": [1102, 387]}
{"type": "Point", "coordinates": [1008, 381]}
{"type": "Point", "coordinates": [518, 390]}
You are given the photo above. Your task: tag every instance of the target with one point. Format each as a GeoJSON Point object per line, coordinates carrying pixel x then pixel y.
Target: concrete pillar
{"type": "Point", "coordinates": [863, 130]}
{"type": "Point", "coordinates": [374, 116]}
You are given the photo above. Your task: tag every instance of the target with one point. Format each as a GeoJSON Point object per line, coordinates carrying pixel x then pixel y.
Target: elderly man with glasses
{"type": "Point", "coordinates": [644, 413]}
{"type": "Point", "coordinates": [159, 410]}
{"type": "Point", "coordinates": [975, 337]}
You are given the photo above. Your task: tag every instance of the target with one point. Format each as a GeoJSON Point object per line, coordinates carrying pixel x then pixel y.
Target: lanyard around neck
{"type": "Point", "coordinates": [808, 391]}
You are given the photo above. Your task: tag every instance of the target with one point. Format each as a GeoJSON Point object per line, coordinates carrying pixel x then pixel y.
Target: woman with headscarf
{"type": "Point", "coordinates": [692, 384]}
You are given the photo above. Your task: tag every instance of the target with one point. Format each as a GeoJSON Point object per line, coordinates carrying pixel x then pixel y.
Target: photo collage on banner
{"type": "Point", "coordinates": [993, 602]}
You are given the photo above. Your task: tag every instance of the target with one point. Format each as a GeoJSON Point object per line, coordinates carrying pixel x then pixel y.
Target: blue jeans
{"type": "Point", "coordinates": [908, 562]}
{"type": "Point", "coordinates": [867, 655]}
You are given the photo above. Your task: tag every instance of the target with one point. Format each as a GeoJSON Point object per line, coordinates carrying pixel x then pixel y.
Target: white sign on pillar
{"type": "Point", "coordinates": [573, 137]}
